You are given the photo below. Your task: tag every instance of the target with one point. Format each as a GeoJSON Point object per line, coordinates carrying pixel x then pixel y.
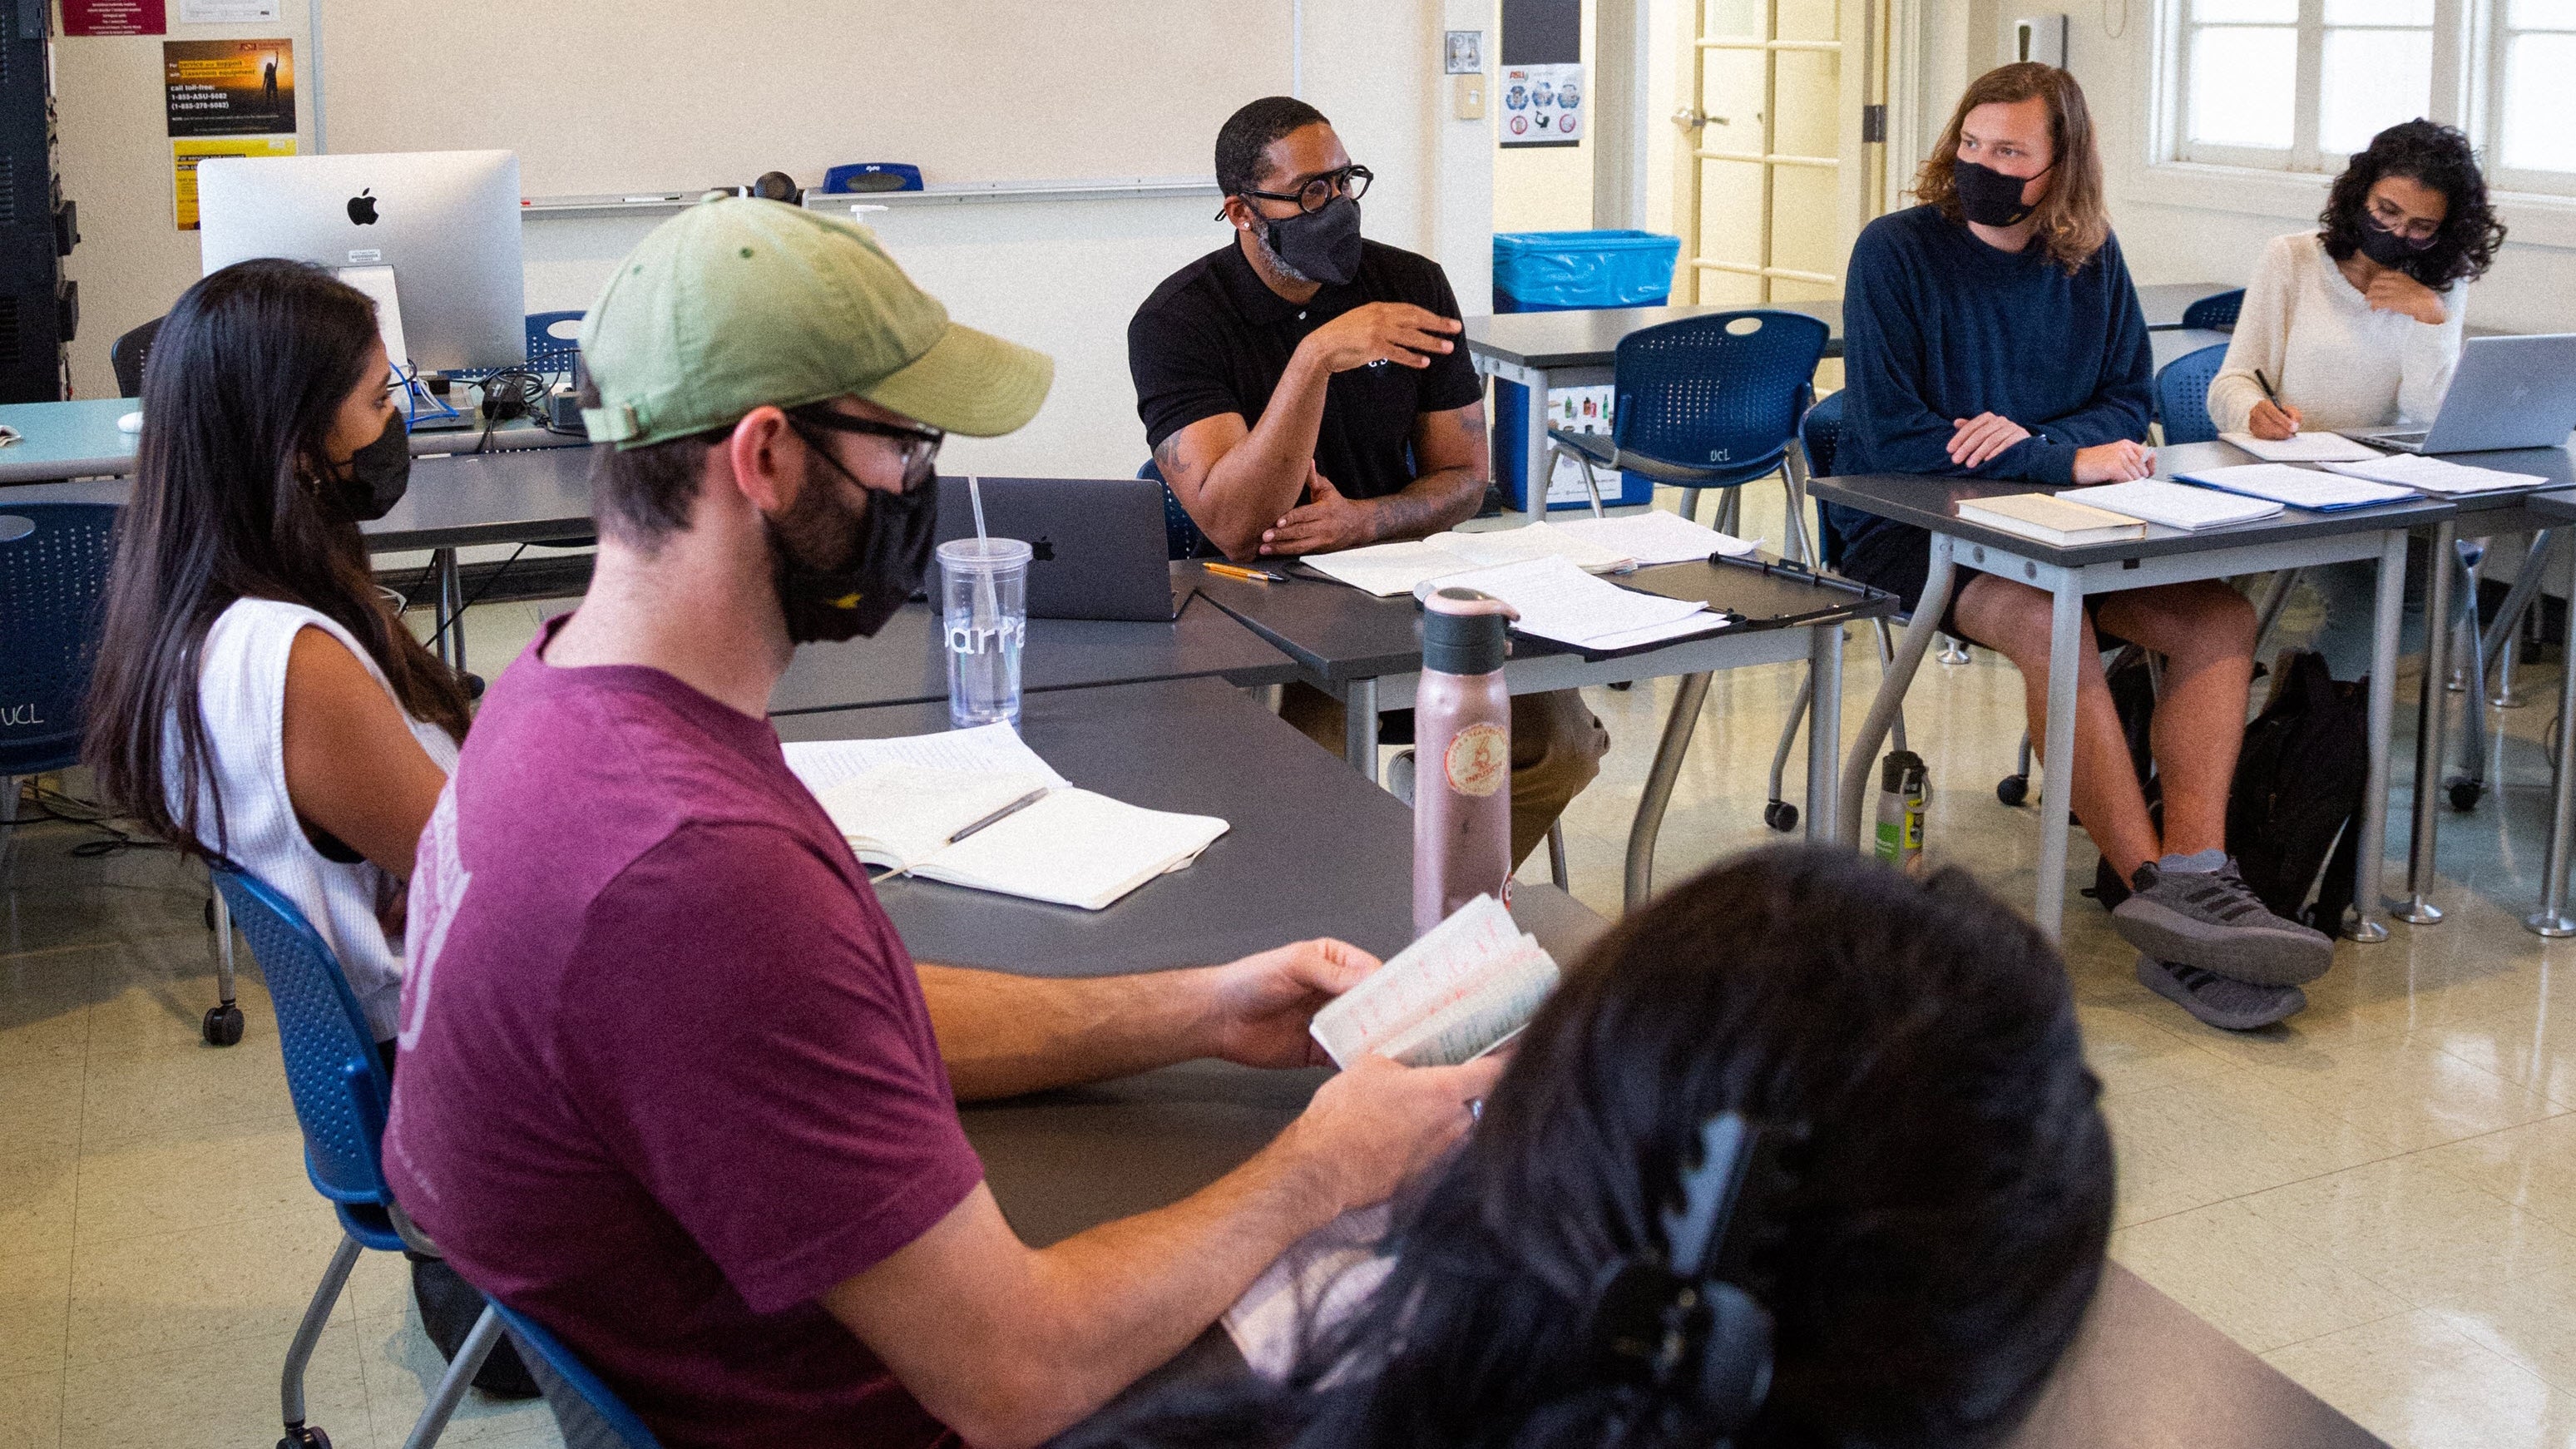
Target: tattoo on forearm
{"type": "Point", "coordinates": [1167, 458]}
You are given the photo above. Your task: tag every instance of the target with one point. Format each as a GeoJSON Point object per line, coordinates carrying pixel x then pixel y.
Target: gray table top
{"type": "Point", "coordinates": [528, 495]}
{"type": "Point", "coordinates": [80, 439]}
{"type": "Point", "coordinates": [1313, 848]}
{"type": "Point", "coordinates": [2559, 507]}
{"type": "Point", "coordinates": [1340, 633]}
{"type": "Point", "coordinates": [2170, 344]}
{"type": "Point", "coordinates": [1931, 502]}
{"type": "Point", "coordinates": [905, 663]}
{"type": "Point", "coordinates": [1590, 337]}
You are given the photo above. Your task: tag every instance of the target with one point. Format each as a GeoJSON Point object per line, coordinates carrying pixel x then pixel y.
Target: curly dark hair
{"type": "Point", "coordinates": [2440, 157]}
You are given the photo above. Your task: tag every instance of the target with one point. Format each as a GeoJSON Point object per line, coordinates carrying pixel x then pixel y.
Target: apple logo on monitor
{"type": "Point", "coordinates": [362, 208]}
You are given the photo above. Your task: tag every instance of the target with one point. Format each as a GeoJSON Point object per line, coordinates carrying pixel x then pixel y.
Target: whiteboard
{"type": "Point", "coordinates": [640, 95]}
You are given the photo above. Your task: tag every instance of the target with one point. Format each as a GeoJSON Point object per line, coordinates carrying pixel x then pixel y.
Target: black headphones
{"type": "Point", "coordinates": [1673, 1323]}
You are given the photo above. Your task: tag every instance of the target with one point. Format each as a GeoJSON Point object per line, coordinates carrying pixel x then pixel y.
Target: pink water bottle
{"type": "Point", "coordinates": [1462, 740]}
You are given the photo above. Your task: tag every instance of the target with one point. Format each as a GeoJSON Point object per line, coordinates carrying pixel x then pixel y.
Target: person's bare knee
{"type": "Point", "coordinates": [2011, 619]}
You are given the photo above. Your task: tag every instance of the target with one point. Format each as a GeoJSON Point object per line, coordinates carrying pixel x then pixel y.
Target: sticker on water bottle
{"type": "Point", "coordinates": [1479, 759]}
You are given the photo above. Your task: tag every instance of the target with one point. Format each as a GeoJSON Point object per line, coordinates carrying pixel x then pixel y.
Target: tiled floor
{"type": "Point", "coordinates": [2379, 1197]}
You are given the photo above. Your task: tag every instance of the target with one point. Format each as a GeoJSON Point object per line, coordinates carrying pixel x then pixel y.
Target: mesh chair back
{"type": "Point", "coordinates": [1181, 536]}
{"type": "Point", "coordinates": [1720, 392]}
{"type": "Point", "coordinates": [332, 1069]}
{"type": "Point", "coordinates": [1822, 431]}
{"type": "Point", "coordinates": [54, 559]}
{"type": "Point", "coordinates": [588, 1412]}
{"type": "Point", "coordinates": [2182, 395]}
{"type": "Point", "coordinates": [127, 354]}
{"type": "Point", "coordinates": [554, 339]}
{"type": "Point", "coordinates": [2216, 312]}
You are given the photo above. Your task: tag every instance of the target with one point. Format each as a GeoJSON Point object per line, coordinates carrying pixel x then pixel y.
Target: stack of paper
{"type": "Point", "coordinates": [903, 803]}
{"type": "Point", "coordinates": [2172, 504]}
{"type": "Point", "coordinates": [2432, 475]}
{"type": "Point", "coordinates": [1466, 987]}
{"type": "Point", "coordinates": [2298, 487]}
{"type": "Point", "coordinates": [1388, 569]}
{"type": "Point", "coordinates": [2302, 448]}
{"type": "Point", "coordinates": [1654, 537]}
{"type": "Point", "coordinates": [1556, 600]}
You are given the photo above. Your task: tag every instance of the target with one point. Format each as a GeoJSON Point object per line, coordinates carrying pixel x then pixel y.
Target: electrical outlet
{"type": "Point", "coordinates": [1470, 98]}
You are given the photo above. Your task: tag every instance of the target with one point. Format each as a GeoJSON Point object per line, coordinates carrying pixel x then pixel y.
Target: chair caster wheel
{"type": "Point", "coordinates": [1623, 685]}
{"type": "Point", "coordinates": [305, 1438]}
{"type": "Point", "coordinates": [223, 1026]}
{"type": "Point", "coordinates": [2465, 794]}
{"type": "Point", "coordinates": [2013, 789]}
{"type": "Point", "coordinates": [1780, 815]}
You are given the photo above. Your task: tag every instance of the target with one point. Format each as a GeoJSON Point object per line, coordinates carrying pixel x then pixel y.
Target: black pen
{"type": "Point", "coordinates": [1014, 808]}
{"type": "Point", "coordinates": [2274, 398]}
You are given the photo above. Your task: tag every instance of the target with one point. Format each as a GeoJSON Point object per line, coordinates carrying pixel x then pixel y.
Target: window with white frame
{"type": "Point", "coordinates": [2299, 85]}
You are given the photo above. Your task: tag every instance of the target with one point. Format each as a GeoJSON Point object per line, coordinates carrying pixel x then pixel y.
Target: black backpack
{"type": "Point", "coordinates": [2294, 810]}
{"type": "Point", "coordinates": [2294, 807]}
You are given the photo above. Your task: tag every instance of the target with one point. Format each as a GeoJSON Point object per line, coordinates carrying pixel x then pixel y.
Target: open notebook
{"type": "Point", "coordinates": [901, 802]}
{"type": "Point", "coordinates": [1556, 600]}
{"type": "Point", "coordinates": [1469, 985]}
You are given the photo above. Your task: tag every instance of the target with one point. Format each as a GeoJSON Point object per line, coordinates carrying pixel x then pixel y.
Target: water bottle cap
{"type": "Point", "coordinates": [1900, 772]}
{"type": "Point", "coordinates": [1462, 631]}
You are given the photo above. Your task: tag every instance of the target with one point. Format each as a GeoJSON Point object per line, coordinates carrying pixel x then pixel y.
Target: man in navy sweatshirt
{"type": "Point", "coordinates": [1992, 332]}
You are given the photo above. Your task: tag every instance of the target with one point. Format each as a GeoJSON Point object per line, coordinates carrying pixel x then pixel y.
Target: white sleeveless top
{"type": "Point", "coordinates": [242, 694]}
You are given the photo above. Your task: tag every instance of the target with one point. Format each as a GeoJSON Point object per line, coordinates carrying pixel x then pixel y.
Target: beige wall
{"type": "Point", "coordinates": [1062, 276]}
{"type": "Point", "coordinates": [1541, 188]}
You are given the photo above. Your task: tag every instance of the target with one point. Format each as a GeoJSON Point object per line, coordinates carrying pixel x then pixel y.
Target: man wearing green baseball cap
{"type": "Point", "coordinates": [670, 1082]}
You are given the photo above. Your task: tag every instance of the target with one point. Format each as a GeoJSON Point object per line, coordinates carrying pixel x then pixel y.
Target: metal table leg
{"type": "Point", "coordinates": [448, 616]}
{"type": "Point", "coordinates": [2517, 603]}
{"type": "Point", "coordinates": [1359, 726]}
{"type": "Point", "coordinates": [1824, 730]}
{"type": "Point", "coordinates": [2552, 919]}
{"type": "Point", "coordinates": [1892, 684]}
{"type": "Point", "coordinates": [1649, 821]}
{"type": "Point", "coordinates": [2429, 712]}
{"type": "Point", "coordinates": [2387, 617]}
{"type": "Point", "coordinates": [2057, 757]}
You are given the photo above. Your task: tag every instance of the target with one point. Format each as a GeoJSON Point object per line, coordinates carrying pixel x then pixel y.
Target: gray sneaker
{"type": "Point", "coordinates": [2209, 919]}
{"type": "Point", "coordinates": [2221, 1001]}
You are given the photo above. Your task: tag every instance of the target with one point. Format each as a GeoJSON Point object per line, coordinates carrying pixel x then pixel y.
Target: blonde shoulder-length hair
{"type": "Point", "coordinates": [2073, 221]}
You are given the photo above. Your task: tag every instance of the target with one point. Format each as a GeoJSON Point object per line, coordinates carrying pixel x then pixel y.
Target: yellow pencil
{"type": "Point", "coordinates": [1238, 571]}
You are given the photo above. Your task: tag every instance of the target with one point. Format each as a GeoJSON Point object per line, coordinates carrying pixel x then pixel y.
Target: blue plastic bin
{"type": "Point", "coordinates": [1561, 271]}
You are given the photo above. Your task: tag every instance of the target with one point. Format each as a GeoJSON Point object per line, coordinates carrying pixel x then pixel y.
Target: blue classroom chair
{"type": "Point", "coordinates": [1181, 536]}
{"type": "Point", "coordinates": [2215, 312]}
{"type": "Point", "coordinates": [588, 1412]}
{"type": "Point", "coordinates": [1711, 402]}
{"type": "Point", "coordinates": [2182, 395]}
{"type": "Point", "coordinates": [554, 340]}
{"type": "Point", "coordinates": [342, 1093]}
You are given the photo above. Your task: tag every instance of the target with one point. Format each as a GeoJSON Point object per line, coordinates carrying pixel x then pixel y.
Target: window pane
{"type": "Point", "coordinates": [2541, 15]}
{"type": "Point", "coordinates": [2243, 85]}
{"type": "Point", "coordinates": [2379, 12]}
{"type": "Point", "coordinates": [2245, 12]}
{"type": "Point", "coordinates": [2539, 128]}
{"type": "Point", "coordinates": [2373, 79]}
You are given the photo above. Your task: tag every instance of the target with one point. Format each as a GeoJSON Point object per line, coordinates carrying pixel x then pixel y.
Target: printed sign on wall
{"type": "Point", "coordinates": [185, 154]}
{"type": "Point", "coordinates": [229, 87]}
{"type": "Point", "coordinates": [1542, 104]}
{"type": "Point", "coordinates": [114, 17]}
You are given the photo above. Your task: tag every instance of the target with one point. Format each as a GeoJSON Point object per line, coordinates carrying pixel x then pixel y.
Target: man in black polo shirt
{"type": "Point", "coordinates": [1304, 391]}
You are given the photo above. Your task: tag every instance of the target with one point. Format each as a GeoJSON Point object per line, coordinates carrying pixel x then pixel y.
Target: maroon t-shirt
{"type": "Point", "coordinates": [666, 1072]}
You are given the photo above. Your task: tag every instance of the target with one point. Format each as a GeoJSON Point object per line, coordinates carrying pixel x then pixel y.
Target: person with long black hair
{"type": "Point", "coordinates": [1912, 1240]}
{"type": "Point", "coordinates": [257, 700]}
{"type": "Point", "coordinates": [2357, 324]}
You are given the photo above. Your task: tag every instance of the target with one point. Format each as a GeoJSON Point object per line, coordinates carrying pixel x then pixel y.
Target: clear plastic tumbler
{"type": "Point", "coordinates": [984, 604]}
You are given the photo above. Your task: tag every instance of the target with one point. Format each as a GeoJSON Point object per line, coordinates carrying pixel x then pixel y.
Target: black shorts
{"type": "Point", "coordinates": [1898, 558]}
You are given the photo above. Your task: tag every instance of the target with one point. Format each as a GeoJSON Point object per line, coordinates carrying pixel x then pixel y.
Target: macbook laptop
{"type": "Point", "coordinates": [1098, 542]}
{"type": "Point", "coordinates": [2509, 392]}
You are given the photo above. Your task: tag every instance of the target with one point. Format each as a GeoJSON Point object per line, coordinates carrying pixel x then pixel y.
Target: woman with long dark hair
{"type": "Point", "coordinates": [2357, 324]}
{"type": "Point", "coordinates": [256, 699]}
{"type": "Point", "coordinates": [1923, 1226]}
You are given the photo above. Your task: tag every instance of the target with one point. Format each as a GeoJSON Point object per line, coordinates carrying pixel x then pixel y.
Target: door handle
{"type": "Point", "coordinates": [1691, 118]}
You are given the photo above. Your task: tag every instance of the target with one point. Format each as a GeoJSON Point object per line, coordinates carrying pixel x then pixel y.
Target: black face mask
{"type": "Point", "coordinates": [888, 556]}
{"type": "Point", "coordinates": [1988, 197]}
{"type": "Point", "coordinates": [377, 475]}
{"type": "Point", "coordinates": [1322, 245]}
{"type": "Point", "coordinates": [2388, 248]}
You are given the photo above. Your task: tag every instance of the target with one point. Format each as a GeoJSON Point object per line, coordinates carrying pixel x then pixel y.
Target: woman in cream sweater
{"type": "Point", "coordinates": [2358, 323]}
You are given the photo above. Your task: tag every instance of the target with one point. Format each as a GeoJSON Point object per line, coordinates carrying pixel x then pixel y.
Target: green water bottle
{"type": "Point", "coordinates": [1900, 811]}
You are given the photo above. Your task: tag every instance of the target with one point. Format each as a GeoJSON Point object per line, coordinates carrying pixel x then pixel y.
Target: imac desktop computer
{"type": "Point", "coordinates": [437, 230]}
